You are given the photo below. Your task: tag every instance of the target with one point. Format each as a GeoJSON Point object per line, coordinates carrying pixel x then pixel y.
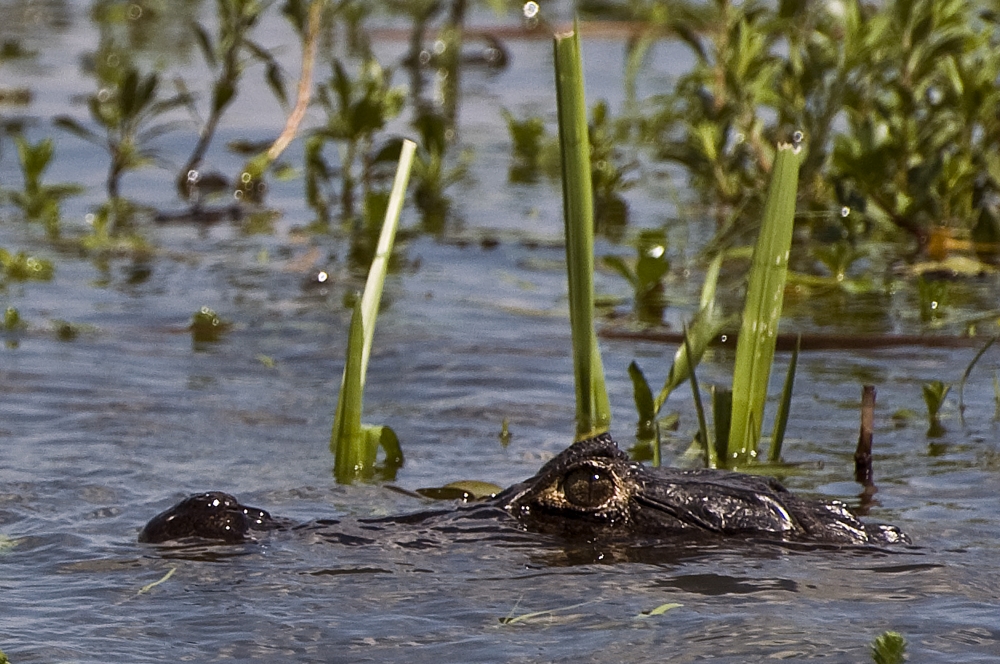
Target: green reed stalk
{"type": "Point", "coordinates": [593, 410]}
{"type": "Point", "coordinates": [355, 445]}
{"type": "Point", "coordinates": [762, 310]}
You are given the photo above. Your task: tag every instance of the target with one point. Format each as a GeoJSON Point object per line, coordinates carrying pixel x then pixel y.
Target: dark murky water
{"type": "Point", "coordinates": [98, 434]}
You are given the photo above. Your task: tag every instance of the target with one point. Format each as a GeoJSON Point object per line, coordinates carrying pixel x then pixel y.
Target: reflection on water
{"type": "Point", "coordinates": [100, 433]}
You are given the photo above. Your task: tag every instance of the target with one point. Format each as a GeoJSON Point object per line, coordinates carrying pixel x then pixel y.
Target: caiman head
{"type": "Point", "coordinates": [212, 515]}
{"type": "Point", "coordinates": [592, 489]}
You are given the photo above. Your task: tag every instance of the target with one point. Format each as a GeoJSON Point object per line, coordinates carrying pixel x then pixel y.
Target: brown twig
{"type": "Point", "coordinates": [304, 92]}
{"type": "Point", "coordinates": [863, 455]}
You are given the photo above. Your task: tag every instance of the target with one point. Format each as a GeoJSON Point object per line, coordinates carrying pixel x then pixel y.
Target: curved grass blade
{"type": "Point", "coordinates": [711, 458]}
{"type": "Point", "coordinates": [593, 410]}
{"type": "Point", "coordinates": [762, 310]}
{"type": "Point", "coordinates": [965, 376]}
{"type": "Point", "coordinates": [704, 327]}
{"type": "Point", "coordinates": [784, 406]}
{"type": "Point", "coordinates": [355, 445]}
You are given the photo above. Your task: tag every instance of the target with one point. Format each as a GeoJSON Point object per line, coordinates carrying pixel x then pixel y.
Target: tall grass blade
{"type": "Point", "coordinates": [355, 445]}
{"type": "Point", "coordinates": [784, 406]}
{"type": "Point", "coordinates": [593, 410]}
{"type": "Point", "coordinates": [762, 310]}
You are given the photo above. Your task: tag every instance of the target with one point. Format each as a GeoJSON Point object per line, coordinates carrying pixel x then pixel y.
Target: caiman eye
{"type": "Point", "coordinates": [588, 487]}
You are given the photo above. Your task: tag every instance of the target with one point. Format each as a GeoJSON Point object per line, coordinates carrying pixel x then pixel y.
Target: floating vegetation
{"type": "Point", "coordinates": [24, 267]}
{"type": "Point", "coordinates": [889, 648]}
{"type": "Point", "coordinates": [207, 326]}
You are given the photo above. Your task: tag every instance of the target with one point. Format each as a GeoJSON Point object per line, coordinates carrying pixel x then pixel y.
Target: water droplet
{"type": "Point", "coordinates": [89, 219]}
{"type": "Point", "coordinates": [439, 47]}
{"type": "Point", "coordinates": [655, 252]}
{"type": "Point", "coordinates": [798, 137]}
{"type": "Point", "coordinates": [845, 211]}
{"type": "Point", "coordinates": [193, 176]}
{"type": "Point", "coordinates": [322, 277]}
{"type": "Point", "coordinates": [530, 10]}
{"type": "Point", "coordinates": [103, 94]}
{"type": "Point", "coordinates": [934, 305]}
{"type": "Point", "coordinates": [238, 194]}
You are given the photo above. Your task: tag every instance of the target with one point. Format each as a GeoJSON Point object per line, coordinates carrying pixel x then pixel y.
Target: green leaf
{"type": "Point", "coordinates": [354, 445]}
{"type": "Point", "coordinates": [74, 127]}
{"type": "Point", "coordinates": [762, 310]}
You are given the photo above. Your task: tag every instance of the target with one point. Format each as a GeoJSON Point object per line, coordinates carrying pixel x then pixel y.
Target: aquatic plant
{"type": "Point", "coordinates": [39, 202]}
{"type": "Point", "coordinates": [127, 111]}
{"type": "Point", "coordinates": [20, 266]}
{"type": "Point", "coordinates": [762, 309]}
{"type": "Point", "coordinates": [609, 173]}
{"type": "Point", "coordinates": [526, 140]}
{"type": "Point", "coordinates": [433, 172]}
{"type": "Point", "coordinates": [889, 648]}
{"type": "Point", "coordinates": [646, 274]}
{"type": "Point", "coordinates": [356, 109]}
{"type": "Point", "coordinates": [893, 100]}
{"type": "Point", "coordinates": [935, 393]}
{"type": "Point", "coordinates": [207, 326]}
{"type": "Point", "coordinates": [593, 410]}
{"type": "Point", "coordinates": [355, 445]}
{"type": "Point", "coordinates": [227, 54]}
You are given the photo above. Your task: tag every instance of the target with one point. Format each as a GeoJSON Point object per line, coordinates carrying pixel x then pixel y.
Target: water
{"type": "Point", "coordinates": [100, 433]}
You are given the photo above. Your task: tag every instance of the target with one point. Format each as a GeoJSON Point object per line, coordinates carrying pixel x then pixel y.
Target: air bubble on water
{"type": "Point", "coordinates": [440, 47]}
{"type": "Point", "coordinates": [246, 177]}
{"type": "Point", "coordinates": [238, 194]}
{"type": "Point", "coordinates": [322, 277]}
{"type": "Point", "coordinates": [845, 211]}
{"type": "Point", "coordinates": [656, 252]}
{"type": "Point", "coordinates": [934, 305]}
{"type": "Point", "coordinates": [103, 94]}
{"type": "Point", "coordinates": [134, 12]}
{"type": "Point", "coordinates": [798, 137]}
{"type": "Point", "coordinates": [193, 176]}
{"type": "Point", "coordinates": [530, 10]}
{"type": "Point", "coordinates": [89, 218]}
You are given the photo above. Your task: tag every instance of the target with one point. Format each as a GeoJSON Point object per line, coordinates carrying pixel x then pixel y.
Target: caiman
{"type": "Point", "coordinates": [590, 490]}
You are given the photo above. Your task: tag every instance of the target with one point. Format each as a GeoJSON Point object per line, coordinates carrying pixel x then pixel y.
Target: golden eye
{"type": "Point", "coordinates": [588, 487]}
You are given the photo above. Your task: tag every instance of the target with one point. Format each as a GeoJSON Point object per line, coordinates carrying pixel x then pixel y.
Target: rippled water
{"type": "Point", "coordinates": [100, 433]}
